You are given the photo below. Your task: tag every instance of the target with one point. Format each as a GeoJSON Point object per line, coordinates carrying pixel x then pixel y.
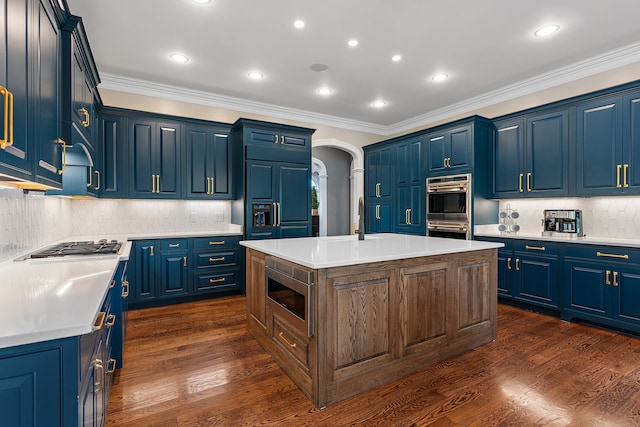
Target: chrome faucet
{"type": "Point", "coordinates": [360, 219]}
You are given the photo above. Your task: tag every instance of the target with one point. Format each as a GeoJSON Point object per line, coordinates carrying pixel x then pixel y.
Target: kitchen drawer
{"type": "Point", "coordinates": [218, 280]}
{"type": "Point", "coordinates": [217, 259]}
{"type": "Point", "coordinates": [604, 253]}
{"type": "Point", "coordinates": [173, 244]}
{"type": "Point", "coordinates": [216, 242]}
{"type": "Point", "coordinates": [291, 342]}
{"type": "Point", "coordinates": [536, 247]}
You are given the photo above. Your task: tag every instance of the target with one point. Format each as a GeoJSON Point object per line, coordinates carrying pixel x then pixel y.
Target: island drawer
{"type": "Point", "coordinates": [295, 345]}
{"type": "Point", "coordinates": [217, 259]}
{"type": "Point", "coordinates": [216, 242]}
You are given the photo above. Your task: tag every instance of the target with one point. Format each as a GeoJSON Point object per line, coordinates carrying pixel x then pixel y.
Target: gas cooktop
{"type": "Point", "coordinates": [101, 247]}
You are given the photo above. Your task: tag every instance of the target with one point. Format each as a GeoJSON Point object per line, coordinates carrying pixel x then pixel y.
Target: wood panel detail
{"type": "Point", "coordinates": [473, 295]}
{"type": "Point", "coordinates": [256, 293]}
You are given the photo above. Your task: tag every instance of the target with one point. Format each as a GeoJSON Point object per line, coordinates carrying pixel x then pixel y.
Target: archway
{"type": "Point", "coordinates": [319, 176]}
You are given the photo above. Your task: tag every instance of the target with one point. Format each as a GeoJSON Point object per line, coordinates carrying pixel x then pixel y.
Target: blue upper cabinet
{"type": "Point", "coordinates": [155, 159]}
{"type": "Point", "coordinates": [531, 156]}
{"type": "Point", "coordinates": [378, 171]}
{"type": "Point", "coordinates": [271, 141]}
{"type": "Point", "coordinates": [450, 151]}
{"type": "Point", "coordinates": [31, 86]}
{"type": "Point", "coordinates": [608, 146]}
{"type": "Point", "coordinates": [208, 161]}
{"type": "Point", "coordinates": [109, 174]}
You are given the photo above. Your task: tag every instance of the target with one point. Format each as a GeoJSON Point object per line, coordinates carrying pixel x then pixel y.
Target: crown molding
{"type": "Point", "coordinates": [620, 57]}
{"type": "Point", "coordinates": [616, 58]}
{"type": "Point", "coordinates": [191, 96]}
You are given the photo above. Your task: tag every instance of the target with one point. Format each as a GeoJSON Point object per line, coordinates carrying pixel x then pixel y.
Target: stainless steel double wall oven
{"type": "Point", "coordinates": [449, 206]}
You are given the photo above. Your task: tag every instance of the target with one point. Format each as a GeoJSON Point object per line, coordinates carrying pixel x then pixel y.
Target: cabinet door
{"type": "Point", "coordinates": [30, 389]}
{"type": "Point", "coordinates": [599, 147]}
{"type": "Point", "coordinates": [220, 167]}
{"type": "Point", "coordinates": [536, 280]}
{"type": "Point", "coordinates": [143, 283]}
{"type": "Point", "coordinates": [111, 177]}
{"type": "Point", "coordinates": [627, 296]}
{"type": "Point", "coordinates": [386, 222]}
{"type": "Point", "coordinates": [505, 279]}
{"type": "Point", "coordinates": [141, 152]}
{"type": "Point", "coordinates": [585, 287]}
{"type": "Point", "coordinates": [547, 152]}
{"type": "Point", "coordinates": [459, 149]}
{"type": "Point", "coordinates": [173, 273]}
{"type": "Point", "coordinates": [378, 219]}
{"type": "Point", "coordinates": [372, 160]}
{"type": "Point", "coordinates": [46, 103]}
{"type": "Point", "coordinates": [167, 160]}
{"type": "Point", "coordinates": [293, 140]}
{"type": "Point", "coordinates": [294, 206]}
{"type": "Point", "coordinates": [199, 156]}
{"type": "Point", "coordinates": [437, 152]}
{"type": "Point", "coordinates": [385, 172]}
{"type": "Point", "coordinates": [507, 159]}
{"type": "Point", "coordinates": [631, 139]}
{"type": "Point", "coordinates": [17, 159]}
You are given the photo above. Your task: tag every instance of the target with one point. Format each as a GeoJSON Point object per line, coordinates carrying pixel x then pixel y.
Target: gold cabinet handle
{"type": "Point", "coordinates": [97, 187]}
{"type": "Point", "coordinates": [607, 280]}
{"type": "Point", "coordinates": [276, 138]}
{"type": "Point", "coordinates": [174, 245]}
{"type": "Point", "coordinates": [158, 183]}
{"type": "Point", "coordinates": [279, 214]}
{"type": "Point", "coordinates": [87, 119]}
{"type": "Point", "coordinates": [216, 259]}
{"type": "Point", "coordinates": [97, 382]}
{"type": "Point", "coordinates": [274, 221]}
{"type": "Point", "coordinates": [520, 183]}
{"type": "Point", "coordinates": [534, 248]}
{"type": "Point", "coordinates": [97, 324]}
{"type": "Point", "coordinates": [289, 343]}
{"type": "Point", "coordinates": [444, 162]}
{"type": "Point", "coordinates": [509, 263]}
{"type": "Point", "coordinates": [618, 168]}
{"type": "Point", "coordinates": [517, 264]}
{"type": "Point", "coordinates": [64, 156]}
{"type": "Point", "coordinates": [605, 255]}
{"type": "Point", "coordinates": [153, 183]}
{"type": "Point", "coordinates": [184, 263]}
{"type": "Point", "coordinates": [111, 320]}
{"type": "Point", "coordinates": [208, 185]}
{"type": "Point", "coordinates": [112, 284]}
{"type": "Point", "coordinates": [213, 187]}
{"type": "Point", "coordinates": [90, 183]}
{"type": "Point", "coordinates": [151, 247]}
{"type": "Point", "coordinates": [377, 211]}
{"type": "Point", "coordinates": [528, 181]}
{"type": "Point", "coordinates": [408, 216]}
{"type": "Point", "coordinates": [377, 189]}
{"type": "Point", "coordinates": [216, 243]}
{"type": "Point", "coordinates": [7, 138]}
{"type": "Point", "coordinates": [125, 288]}
{"type": "Point", "coordinates": [625, 174]}
{"type": "Point", "coordinates": [216, 280]}
{"type": "Point", "coordinates": [615, 278]}
{"type": "Point", "coordinates": [281, 139]}
{"type": "Point", "coordinates": [448, 162]}
{"type": "Point", "coordinates": [111, 365]}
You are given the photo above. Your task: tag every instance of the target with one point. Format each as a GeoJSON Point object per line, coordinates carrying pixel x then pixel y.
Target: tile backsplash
{"type": "Point", "coordinates": [617, 217]}
{"type": "Point", "coordinates": [28, 221]}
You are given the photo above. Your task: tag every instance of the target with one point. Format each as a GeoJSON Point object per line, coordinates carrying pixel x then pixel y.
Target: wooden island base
{"type": "Point", "coordinates": [374, 322]}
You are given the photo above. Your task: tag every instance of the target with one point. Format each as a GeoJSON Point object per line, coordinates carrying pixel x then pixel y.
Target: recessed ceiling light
{"type": "Point", "coordinates": [546, 30]}
{"type": "Point", "coordinates": [298, 24]}
{"type": "Point", "coordinates": [379, 103]}
{"type": "Point", "coordinates": [255, 75]}
{"type": "Point", "coordinates": [178, 57]}
{"type": "Point", "coordinates": [202, 1]}
{"type": "Point", "coordinates": [318, 68]}
{"type": "Point", "coordinates": [353, 42]}
{"type": "Point", "coordinates": [324, 91]}
{"type": "Point", "coordinates": [396, 58]}
{"type": "Point", "coordinates": [439, 77]}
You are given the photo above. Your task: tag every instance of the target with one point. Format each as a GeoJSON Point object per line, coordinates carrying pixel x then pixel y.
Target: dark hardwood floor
{"type": "Point", "coordinates": [195, 364]}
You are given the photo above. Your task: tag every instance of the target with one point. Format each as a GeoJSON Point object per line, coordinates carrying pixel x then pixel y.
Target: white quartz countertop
{"type": "Point", "coordinates": [586, 240]}
{"type": "Point", "coordinates": [339, 251]}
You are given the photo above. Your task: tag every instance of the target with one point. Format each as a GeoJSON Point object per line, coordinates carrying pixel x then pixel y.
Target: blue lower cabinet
{"type": "Point", "coordinates": [378, 217]}
{"type": "Point", "coordinates": [505, 282]}
{"type": "Point", "coordinates": [173, 273]}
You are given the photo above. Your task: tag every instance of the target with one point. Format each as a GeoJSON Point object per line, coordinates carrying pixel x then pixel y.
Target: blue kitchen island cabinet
{"type": "Point", "coordinates": [608, 146]}
{"type": "Point", "coordinates": [155, 155]}
{"type": "Point", "coordinates": [531, 156]}
{"type": "Point", "coordinates": [208, 163]}
{"type": "Point", "coordinates": [31, 81]}
{"type": "Point", "coordinates": [603, 286]}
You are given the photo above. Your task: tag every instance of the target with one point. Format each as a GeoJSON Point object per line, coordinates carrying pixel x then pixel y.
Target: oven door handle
{"type": "Point", "coordinates": [447, 227]}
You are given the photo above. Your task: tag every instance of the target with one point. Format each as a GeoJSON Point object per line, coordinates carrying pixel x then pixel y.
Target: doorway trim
{"type": "Point", "coordinates": [357, 170]}
{"type": "Point", "coordinates": [318, 165]}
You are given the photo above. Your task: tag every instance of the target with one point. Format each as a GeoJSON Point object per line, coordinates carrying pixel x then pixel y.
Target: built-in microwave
{"type": "Point", "coordinates": [449, 206]}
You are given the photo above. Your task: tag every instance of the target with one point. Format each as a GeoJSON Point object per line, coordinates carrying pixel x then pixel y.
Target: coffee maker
{"type": "Point", "coordinates": [562, 222]}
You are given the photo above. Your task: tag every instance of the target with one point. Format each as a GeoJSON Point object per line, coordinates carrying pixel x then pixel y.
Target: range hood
{"type": "Point", "coordinates": [76, 173]}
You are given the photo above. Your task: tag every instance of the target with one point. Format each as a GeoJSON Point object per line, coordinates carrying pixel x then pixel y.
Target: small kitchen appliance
{"type": "Point", "coordinates": [562, 222]}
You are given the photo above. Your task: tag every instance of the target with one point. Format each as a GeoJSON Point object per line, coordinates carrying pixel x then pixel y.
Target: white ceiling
{"type": "Point", "coordinates": [484, 47]}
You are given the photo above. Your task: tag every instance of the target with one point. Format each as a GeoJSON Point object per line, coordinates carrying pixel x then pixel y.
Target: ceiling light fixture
{"type": "Point", "coordinates": [255, 75]}
{"type": "Point", "coordinates": [179, 58]}
{"type": "Point", "coordinates": [324, 91]}
{"type": "Point", "coordinates": [439, 77]}
{"type": "Point", "coordinates": [202, 1]}
{"type": "Point", "coordinates": [353, 42]}
{"type": "Point", "coordinates": [379, 103]}
{"type": "Point", "coordinates": [298, 24]}
{"type": "Point", "coordinates": [396, 58]}
{"type": "Point", "coordinates": [546, 30]}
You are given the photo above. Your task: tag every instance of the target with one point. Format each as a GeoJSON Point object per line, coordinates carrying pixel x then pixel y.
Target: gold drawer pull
{"type": "Point", "coordinates": [97, 325]}
{"type": "Point", "coordinates": [289, 343]}
{"type": "Point", "coordinates": [534, 248]}
{"type": "Point", "coordinates": [600, 254]}
{"type": "Point", "coordinates": [216, 259]}
{"type": "Point", "coordinates": [216, 280]}
{"type": "Point", "coordinates": [125, 288]}
{"type": "Point", "coordinates": [615, 278]}
{"type": "Point", "coordinates": [111, 365]}
{"type": "Point", "coordinates": [111, 320]}
{"type": "Point", "coordinates": [217, 243]}
{"type": "Point", "coordinates": [177, 245]}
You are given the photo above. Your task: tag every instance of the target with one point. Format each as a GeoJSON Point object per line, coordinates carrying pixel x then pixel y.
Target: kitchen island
{"type": "Point", "coordinates": [341, 316]}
